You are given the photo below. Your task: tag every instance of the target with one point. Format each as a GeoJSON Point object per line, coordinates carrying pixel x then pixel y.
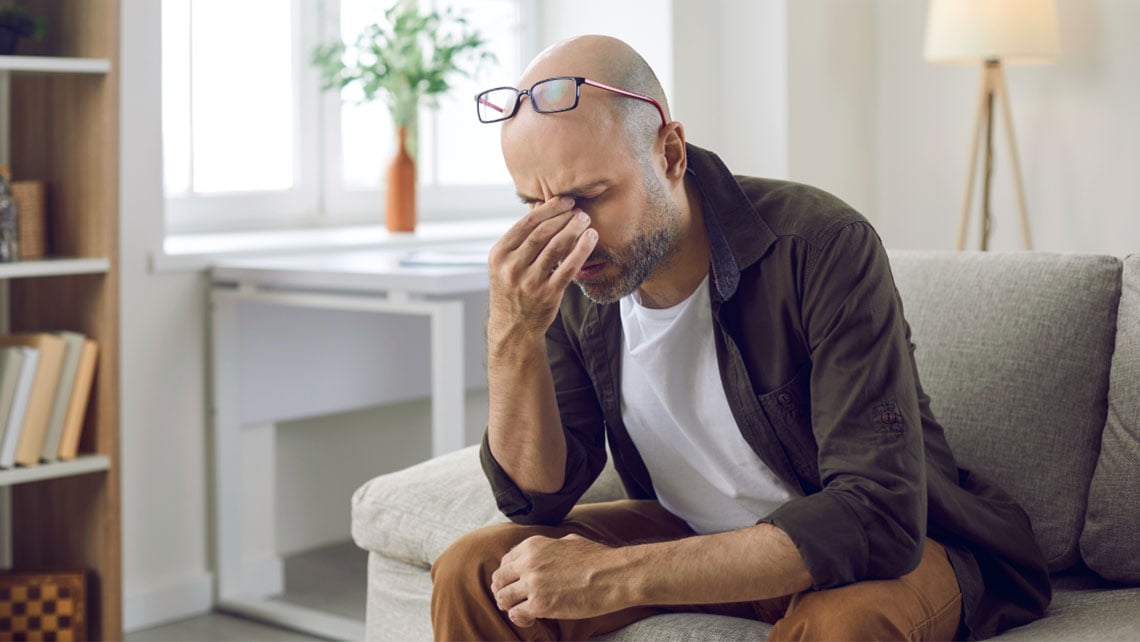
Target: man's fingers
{"type": "Point", "coordinates": [510, 595]}
{"type": "Point", "coordinates": [562, 244]}
{"type": "Point", "coordinates": [503, 576]}
{"type": "Point", "coordinates": [521, 615]}
{"type": "Point", "coordinates": [522, 229]}
{"type": "Point", "coordinates": [574, 261]}
{"type": "Point", "coordinates": [541, 237]}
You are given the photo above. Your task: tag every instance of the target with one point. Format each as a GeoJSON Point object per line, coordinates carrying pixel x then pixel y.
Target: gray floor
{"type": "Point", "coordinates": [330, 579]}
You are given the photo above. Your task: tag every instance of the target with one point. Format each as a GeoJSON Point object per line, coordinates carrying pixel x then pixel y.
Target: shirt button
{"type": "Point", "coordinates": [888, 417]}
{"type": "Point", "coordinates": [784, 398]}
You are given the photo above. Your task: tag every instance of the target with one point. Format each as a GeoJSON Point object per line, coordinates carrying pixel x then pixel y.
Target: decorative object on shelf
{"type": "Point", "coordinates": [406, 60]}
{"type": "Point", "coordinates": [16, 23]}
{"type": "Point", "coordinates": [9, 220]}
{"type": "Point", "coordinates": [43, 606]}
{"type": "Point", "coordinates": [994, 33]}
{"type": "Point", "coordinates": [31, 199]}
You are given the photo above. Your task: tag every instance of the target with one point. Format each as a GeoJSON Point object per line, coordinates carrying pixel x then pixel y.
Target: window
{"type": "Point", "coordinates": [251, 141]}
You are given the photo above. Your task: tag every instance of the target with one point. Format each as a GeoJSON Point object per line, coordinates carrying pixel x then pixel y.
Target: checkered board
{"type": "Point", "coordinates": [42, 606]}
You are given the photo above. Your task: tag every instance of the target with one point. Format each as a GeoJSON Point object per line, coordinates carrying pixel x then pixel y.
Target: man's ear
{"type": "Point", "coordinates": [676, 160]}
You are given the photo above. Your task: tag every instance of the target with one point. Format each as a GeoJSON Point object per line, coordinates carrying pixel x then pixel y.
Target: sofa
{"type": "Point", "coordinates": [1032, 362]}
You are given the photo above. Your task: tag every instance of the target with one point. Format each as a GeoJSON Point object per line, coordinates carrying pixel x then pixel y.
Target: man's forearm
{"type": "Point", "coordinates": [524, 429]}
{"type": "Point", "coordinates": [754, 563]}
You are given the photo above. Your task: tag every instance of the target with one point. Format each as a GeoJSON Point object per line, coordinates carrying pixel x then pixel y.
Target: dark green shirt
{"type": "Point", "coordinates": [818, 368]}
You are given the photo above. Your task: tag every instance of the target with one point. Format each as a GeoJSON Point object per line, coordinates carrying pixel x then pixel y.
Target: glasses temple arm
{"type": "Point", "coordinates": [483, 101]}
{"type": "Point", "coordinates": [630, 94]}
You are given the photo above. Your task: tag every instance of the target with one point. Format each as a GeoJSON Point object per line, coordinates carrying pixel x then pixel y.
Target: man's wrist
{"type": "Point", "coordinates": [513, 343]}
{"type": "Point", "coordinates": [635, 586]}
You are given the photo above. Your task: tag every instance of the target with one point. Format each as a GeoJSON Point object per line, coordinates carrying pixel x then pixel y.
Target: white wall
{"type": "Point", "coordinates": [1075, 121]}
{"type": "Point", "coordinates": [163, 435]}
{"type": "Point", "coordinates": [831, 124]}
{"type": "Point", "coordinates": [827, 92]}
{"type": "Point", "coordinates": [731, 62]}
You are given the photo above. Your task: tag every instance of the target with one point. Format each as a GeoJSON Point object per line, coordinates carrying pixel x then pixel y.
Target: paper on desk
{"type": "Point", "coordinates": [459, 255]}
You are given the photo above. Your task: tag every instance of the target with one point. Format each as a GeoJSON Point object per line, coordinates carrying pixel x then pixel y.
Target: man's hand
{"type": "Point", "coordinates": [563, 578]}
{"type": "Point", "coordinates": [531, 266]}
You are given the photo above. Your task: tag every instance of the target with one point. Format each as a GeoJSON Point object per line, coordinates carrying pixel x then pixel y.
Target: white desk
{"type": "Point", "coordinates": [358, 280]}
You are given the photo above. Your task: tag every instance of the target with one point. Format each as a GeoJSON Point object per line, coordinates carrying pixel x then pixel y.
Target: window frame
{"type": "Point", "coordinates": [318, 198]}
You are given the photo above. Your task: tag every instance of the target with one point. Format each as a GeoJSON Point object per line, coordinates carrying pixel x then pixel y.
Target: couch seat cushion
{"type": "Point", "coordinates": [690, 627]}
{"type": "Point", "coordinates": [413, 515]}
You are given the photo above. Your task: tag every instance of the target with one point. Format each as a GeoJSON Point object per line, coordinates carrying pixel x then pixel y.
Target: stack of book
{"type": "Point", "coordinates": [45, 381]}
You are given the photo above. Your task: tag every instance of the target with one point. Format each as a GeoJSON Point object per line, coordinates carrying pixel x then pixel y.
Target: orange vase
{"type": "Point", "coordinates": [400, 214]}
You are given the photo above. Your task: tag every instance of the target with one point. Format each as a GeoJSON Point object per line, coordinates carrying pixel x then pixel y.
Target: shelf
{"type": "Point", "coordinates": [53, 267]}
{"type": "Point", "coordinates": [79, 466]}
{"type": "Point", "coordinates": [53, 64]}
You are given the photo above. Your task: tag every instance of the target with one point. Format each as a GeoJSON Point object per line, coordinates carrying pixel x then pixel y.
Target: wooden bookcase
{"type": "Point", "coordinates": [63, 119]}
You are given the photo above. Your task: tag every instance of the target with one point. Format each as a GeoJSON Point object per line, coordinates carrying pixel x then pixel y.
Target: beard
{"type": "Point", "coordinates": [654, 245]}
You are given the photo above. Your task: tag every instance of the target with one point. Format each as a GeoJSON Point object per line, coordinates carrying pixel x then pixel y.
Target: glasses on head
{"type": "Point", "coordinates": [549, 96]}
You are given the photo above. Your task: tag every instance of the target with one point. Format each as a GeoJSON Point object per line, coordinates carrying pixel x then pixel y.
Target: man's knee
{"type": "Point", "coordinates": [478, 553]}
{"type": "Point", "coordinates": [815, 617]}
{"type": "Point", "coordinates": [925, 604]}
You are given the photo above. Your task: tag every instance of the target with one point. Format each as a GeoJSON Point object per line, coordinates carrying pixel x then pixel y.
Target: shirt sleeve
{"type": "Point", "coordinates": [584, 427]}
{"type": "Point", "coordinates": [869, 519]}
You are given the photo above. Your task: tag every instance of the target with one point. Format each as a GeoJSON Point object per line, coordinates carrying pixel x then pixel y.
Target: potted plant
{"type": "Point", "coordinates": [16, 23]}
{"type": "Point", "coordinates": [408, 59]}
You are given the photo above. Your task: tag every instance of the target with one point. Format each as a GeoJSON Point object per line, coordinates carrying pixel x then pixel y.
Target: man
{"type": "Point", "coordinates": [740, 344]}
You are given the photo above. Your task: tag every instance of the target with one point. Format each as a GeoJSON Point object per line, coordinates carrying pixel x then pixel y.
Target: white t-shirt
{"type": "Point", "coordinates": [674, 407]}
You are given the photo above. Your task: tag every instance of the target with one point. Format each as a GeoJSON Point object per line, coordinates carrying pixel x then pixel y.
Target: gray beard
{"type": "Point", "coordinates": [651, 249]}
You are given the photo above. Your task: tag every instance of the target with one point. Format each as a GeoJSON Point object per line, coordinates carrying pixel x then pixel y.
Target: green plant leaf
{"type": "Point", "coordinates": [405, 61]}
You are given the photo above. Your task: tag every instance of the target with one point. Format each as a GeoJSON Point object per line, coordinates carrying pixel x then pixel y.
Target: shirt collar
{"type": "Point", "coordinates": [738, 235]}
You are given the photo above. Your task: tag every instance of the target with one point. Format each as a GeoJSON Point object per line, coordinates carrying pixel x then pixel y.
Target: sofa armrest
{"type": "Point", "coordinates": [414, 514]}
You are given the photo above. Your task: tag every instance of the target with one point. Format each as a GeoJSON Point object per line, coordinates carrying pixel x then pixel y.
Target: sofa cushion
{"type": "Point", "coordinates": [690, 627]}
{"type": "Point", "coordinates": [414, 514]}
{"type": "Point", "coordinates": [1013, 349]}
{"type": "Point", "coordinates": [1108, 615]}
{"type": "Point", "coordinates": [1110, 543]}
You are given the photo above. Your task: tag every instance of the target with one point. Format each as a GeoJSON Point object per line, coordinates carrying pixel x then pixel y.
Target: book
{"type": "Point", "coordinates": [73, 345]}
{"type": "Point", "coordinates": [15, 423]}
{"type": "Point", "coordinates": [11, 360]}
{"type": "Point", "coordinates": [34, 430]}
{"type": "Point", "coordinates": [77, 405]}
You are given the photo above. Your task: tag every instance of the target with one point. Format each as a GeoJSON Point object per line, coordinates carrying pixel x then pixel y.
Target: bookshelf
{"type": "Point", "coordinates": [62, 116]}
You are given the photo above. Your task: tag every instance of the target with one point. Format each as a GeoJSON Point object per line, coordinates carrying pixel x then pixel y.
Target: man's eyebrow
{"type": "Point", "coordinates": [573, 192]}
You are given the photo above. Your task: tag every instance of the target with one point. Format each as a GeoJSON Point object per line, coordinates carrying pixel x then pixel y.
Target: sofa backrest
{"type": "Point", "coordinates": [1110, 543]}
{"type": "Point", "coordinates": [1014, 351]}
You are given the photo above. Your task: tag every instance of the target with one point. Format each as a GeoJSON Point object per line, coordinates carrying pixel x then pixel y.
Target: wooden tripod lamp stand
{"type": "Point", "coordinates": [992, 32]}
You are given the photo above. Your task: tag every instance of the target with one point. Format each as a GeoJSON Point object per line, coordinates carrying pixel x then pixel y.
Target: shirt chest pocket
{"type": "Point", "coordinates": [788, 408]}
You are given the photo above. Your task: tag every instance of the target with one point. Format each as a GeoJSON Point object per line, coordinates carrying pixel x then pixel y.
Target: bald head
{"type": "Point", "coordinates": [610, 61]}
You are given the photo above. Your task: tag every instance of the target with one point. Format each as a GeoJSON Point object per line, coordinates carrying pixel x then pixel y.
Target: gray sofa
{"type": "Point", "coordinates": [1032, 361]}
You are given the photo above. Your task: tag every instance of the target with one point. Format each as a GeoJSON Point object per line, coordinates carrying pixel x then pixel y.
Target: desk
{"type": "Point", "coordinates": [357, 280]}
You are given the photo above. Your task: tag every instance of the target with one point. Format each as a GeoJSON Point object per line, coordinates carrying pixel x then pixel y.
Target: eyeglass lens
{"type": "Point", "coordinates": [556, 94]}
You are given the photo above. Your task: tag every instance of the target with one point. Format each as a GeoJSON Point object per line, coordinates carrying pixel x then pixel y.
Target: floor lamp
{"type": "Point", "coordinates": [993, 32]}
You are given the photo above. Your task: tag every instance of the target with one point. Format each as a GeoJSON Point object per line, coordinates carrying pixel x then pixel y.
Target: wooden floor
{"type": "Point", "coordinates": [330, 579]}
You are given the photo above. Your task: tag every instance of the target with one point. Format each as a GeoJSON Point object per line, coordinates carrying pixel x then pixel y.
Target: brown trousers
{"type": "Point", "coordinates": [924, 604]}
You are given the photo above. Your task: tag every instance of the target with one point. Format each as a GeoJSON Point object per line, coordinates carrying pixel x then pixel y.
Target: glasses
{"type": "Point", "coordinates": [549, 96]}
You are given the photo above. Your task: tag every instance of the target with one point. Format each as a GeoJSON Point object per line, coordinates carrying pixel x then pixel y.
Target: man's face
{"type": "Point", "coordinates": [587, 157]}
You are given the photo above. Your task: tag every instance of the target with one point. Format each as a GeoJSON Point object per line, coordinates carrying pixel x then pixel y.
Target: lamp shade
{"type": "Point", "coordinates": [1013, 31]}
